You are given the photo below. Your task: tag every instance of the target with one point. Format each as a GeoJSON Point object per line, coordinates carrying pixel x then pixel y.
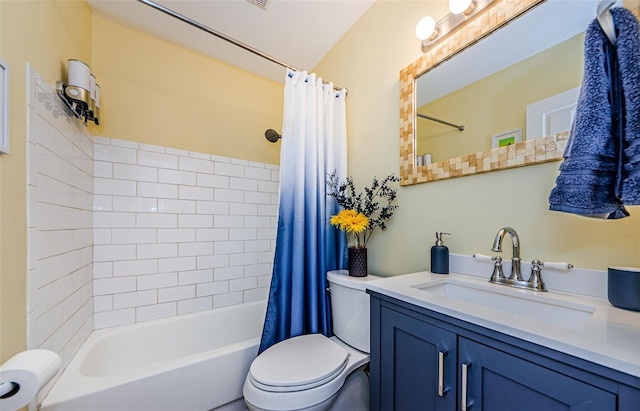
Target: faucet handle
{"type": "Point", "coordinates": [558, 266]}
{"type": "Point", "coordinates": [535, 281]}
{"type": "Point", "coordinates": [482, 257]}
{"type": "Point", "coordinates": [497, 266]}
{"type": "Point", "coordinates": [497, 269]}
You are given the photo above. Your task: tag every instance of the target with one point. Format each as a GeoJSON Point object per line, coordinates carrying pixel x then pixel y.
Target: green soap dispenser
{"type": "Point", "coordinates": [440, 256]}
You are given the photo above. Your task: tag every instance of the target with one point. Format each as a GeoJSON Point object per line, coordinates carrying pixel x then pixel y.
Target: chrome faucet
{"type": "Point", "coordinates": [534, 282]}
{"type": "Point", "coordinates": [516, 275]}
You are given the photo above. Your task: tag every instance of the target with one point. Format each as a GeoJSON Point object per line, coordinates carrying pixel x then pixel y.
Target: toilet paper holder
{"type": "Point", "coordinates": [24, 375]}
{"type": "Point", "coordinates": [7, 389]}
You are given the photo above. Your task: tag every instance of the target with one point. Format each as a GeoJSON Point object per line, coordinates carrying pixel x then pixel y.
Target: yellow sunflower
{"type": "Point", "coordinates": [350, 221]}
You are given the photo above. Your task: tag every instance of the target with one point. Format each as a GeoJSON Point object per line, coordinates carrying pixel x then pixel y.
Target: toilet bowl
{"type": "Point", "coordinates": [307, 379]}
{"type": "Point", "coordinates": [308, 371]}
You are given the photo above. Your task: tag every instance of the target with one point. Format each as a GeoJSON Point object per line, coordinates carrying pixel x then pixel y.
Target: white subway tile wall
{"type": "Point", "coordinates": [60, 171]}
{"type": "Point", "coordinates": [178, 231]}
{"type": "Point", "coordinates": [121, 232]}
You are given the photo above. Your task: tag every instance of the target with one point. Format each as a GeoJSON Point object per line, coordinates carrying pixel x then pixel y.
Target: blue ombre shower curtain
{"type": "Point", "coordinates": [314, 144]}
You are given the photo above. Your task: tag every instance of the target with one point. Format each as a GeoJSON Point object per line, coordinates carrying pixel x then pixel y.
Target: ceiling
{"type": "Point", "coordinates": [297, 32]}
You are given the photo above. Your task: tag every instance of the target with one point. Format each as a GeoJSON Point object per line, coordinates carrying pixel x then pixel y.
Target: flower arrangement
{"type": "Point", "coordinates": [351, 222]}
{"type": "Point", "coordinates": [362, 212]}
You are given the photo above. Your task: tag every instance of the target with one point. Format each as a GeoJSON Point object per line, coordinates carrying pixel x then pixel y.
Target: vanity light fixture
{"type": "Point", "coordinates": [461, 6]}
{"type": "Point", "coordinates": [431, 32]}
{"type": "Point", "coordinates": [81, 94]}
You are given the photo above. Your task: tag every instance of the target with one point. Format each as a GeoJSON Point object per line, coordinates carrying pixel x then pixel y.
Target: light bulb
{"type": "Point", "coordinates": [459, 6]}
{"type": "Point", "coordinates": [425, 27]}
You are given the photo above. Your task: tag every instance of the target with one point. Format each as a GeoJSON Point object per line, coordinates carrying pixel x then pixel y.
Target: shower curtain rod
{"type": "Point", "coordinates": [437, 120]}
{"type": "Point", "coordinates": [222, 36]}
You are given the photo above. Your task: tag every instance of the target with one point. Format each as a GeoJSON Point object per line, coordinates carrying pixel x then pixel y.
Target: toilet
{"type": "Point", "coordinates": [308, 371]}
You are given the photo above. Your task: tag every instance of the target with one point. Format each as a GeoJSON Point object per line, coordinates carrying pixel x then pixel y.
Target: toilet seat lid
{"type": "Point", "coordinates": [306, 360]}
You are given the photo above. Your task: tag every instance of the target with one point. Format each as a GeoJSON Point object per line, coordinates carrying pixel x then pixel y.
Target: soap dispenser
{"type": "Point", "coordinates": [440, 256]}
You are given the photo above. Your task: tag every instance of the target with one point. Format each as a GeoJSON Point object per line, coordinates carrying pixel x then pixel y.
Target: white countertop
{"type": "Point", "coordinates": [611, 336]}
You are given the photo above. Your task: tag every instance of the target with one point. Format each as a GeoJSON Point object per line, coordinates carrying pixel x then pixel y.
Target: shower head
{"type": "Point", "coordinates": [272, 135]}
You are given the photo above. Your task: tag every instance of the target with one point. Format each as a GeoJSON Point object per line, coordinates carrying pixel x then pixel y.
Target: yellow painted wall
{"type": "Point", "coordinates": [44, 33]}
{"type": "Point", "coordinates": [368, 60]}
{"type": "Point", "coordinates": [497, 103]}
{"type": "Point", "coordinates": [155, 92]}
{"type": "Point", "coordinates": [2, 340]}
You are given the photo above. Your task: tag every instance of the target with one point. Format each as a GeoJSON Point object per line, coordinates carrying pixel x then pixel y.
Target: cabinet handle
{"type": "Point", "coordinates": [463, 400]}
{"type": "Point", "coordinates": [441, 389]}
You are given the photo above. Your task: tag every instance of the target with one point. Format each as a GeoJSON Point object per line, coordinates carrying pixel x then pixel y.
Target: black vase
{"type": "Point", "coordinates": [357, 262]}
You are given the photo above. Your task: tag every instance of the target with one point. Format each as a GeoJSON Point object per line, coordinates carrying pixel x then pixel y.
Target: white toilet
{"type": "Point", "coordinates": [307, 372]}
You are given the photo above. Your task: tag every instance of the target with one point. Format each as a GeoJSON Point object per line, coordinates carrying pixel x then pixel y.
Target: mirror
{"type": "Point", "coordinates": [494, 70]}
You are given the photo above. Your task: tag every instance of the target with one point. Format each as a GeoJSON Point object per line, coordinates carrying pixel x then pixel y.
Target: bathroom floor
{"type": "Point", "coordinates": [354, 395]}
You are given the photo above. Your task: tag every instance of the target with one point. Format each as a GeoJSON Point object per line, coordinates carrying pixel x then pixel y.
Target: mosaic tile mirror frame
{"type": "Point", "coordinates": [536, 151]}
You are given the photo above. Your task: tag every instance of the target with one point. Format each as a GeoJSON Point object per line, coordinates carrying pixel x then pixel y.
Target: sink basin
{"type": "Point", "coordinates": [511, 301]}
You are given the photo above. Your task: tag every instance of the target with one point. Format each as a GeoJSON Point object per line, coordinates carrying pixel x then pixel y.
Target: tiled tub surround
{"type": "Point", "coordinates": [60, 224]}
{"type": "Point", "coordinates": [167, 232]}
{"type": "Point", "coordinates": [177, 231]}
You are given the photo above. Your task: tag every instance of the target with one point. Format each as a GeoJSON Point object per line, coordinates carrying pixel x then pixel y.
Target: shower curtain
{"type": "Point", "coordinates": [314, 144]}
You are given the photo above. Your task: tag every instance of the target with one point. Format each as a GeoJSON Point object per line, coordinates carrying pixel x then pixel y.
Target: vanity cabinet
{"type": "Point", "coordinates": [424, 360]}
{"type": "Point", "coordinates": [419, 365]}
{"type": "Point", "coordinates": [493, 380]}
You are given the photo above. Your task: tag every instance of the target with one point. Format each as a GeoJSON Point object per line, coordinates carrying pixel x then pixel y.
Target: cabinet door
{"type": "Point", "coordinates": [418, 364]}
{"type": "Point", "coordinates": [494, 381]}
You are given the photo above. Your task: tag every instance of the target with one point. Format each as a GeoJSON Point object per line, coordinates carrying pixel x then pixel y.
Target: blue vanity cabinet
{"type": "Point", "coordinates": [494, 380]}
{"type": "Point", "coordinates": [501, 372]}
{"type": "Point", "coordinates": [420, 371]}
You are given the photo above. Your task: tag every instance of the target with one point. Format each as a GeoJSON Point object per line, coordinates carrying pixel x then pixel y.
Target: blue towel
{"type": "Point", "coordinates": [629, 62]}
{"type": "Point", "coordinates": [601, 168]}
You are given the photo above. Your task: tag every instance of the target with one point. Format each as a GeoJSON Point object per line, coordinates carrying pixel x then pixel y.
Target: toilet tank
{"type": "Point", "coordinates": [350, 308]}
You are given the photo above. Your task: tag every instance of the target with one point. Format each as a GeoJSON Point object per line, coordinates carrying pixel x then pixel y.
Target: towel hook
{"type": "Point", "coordinates": [605, 20]}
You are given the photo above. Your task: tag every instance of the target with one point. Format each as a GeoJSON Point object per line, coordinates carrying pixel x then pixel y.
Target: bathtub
{"type": "Point", "coordinates": [192, 362]}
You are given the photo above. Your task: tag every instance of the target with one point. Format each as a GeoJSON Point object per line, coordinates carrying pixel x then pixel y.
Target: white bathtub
{"type": "Point", "coordinates": [193, 362]}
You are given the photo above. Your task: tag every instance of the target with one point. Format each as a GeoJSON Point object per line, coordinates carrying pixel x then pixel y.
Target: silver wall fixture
{"type": "Point", "coordinates": [81, 94]}
{"type": "Point", "coordinates": [431, 32]}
